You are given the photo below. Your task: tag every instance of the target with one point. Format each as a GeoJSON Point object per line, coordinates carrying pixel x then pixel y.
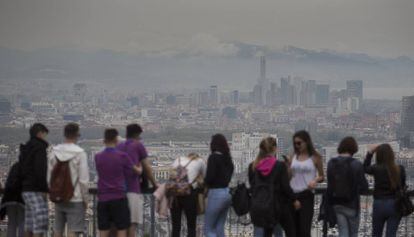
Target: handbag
{"type": "Point", "coordinates": [403, 203]}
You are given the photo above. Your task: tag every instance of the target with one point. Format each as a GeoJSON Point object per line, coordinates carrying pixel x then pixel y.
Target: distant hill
{"type": "Point", "coordinates": [161, 70]}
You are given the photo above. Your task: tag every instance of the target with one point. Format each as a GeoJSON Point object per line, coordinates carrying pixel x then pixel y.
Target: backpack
{"type": "Point", "coordinates": [264, 209]}
{"type": "Point", "coordinates": [240, 199]}
{"type": "Point", "coordinates": [342, 180]}
{"type": "Point", "coordinates": [61, 188]}
{"type": "Point", "coordinates": [14, 181]}
{"type": "Point", "coordinates": [178, 184]}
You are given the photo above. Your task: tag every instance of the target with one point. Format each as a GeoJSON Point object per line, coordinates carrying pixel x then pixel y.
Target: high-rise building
{"type": "Point", "coordinates": [203, 98]}
{"type": "Point", "coordinates": [235, 97]}
{"type": "Point", "coordinates": [272, 98]}
{"type": "Point", "coordinates": [262, 68]}
{"type": "Point", "coordinates": [322, 94]}
{"type": "Point", "coordinates": [354, 88]}
{"type": "Point", "coordinates": [308, 93]}
{"type": "Point", "coordinates": [407, 122]}
{"type": "Point", "coordinates": [5, 106]}
{"type": "Point", "coordinates": [213, 95]}
{"type": "Point", "coordinates": [260, 91]}
{"type": "Point", "coordinates": [288, 91]}
{"type": "Point", "coordinates": [258, 95]}
{"type": "Point", "coordinates": [353, 104]}
{"type": "Point", "coordinates": [79, 91]}
{"type": "Point", "coordinates": [407, 113]}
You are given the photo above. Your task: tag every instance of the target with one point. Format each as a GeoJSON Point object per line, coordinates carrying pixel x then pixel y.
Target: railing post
{"type": "Point", "coordinates": [94, 206]}
{"type": "Point", "coordinates": [152, 206]}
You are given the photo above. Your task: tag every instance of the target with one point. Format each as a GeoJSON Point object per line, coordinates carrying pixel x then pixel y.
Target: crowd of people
{"type": "Point", "coordinates": [281, 189]}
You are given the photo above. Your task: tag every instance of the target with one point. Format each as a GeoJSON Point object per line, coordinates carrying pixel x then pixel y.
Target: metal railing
{"type": "Point", "coordinates": [153, 226]}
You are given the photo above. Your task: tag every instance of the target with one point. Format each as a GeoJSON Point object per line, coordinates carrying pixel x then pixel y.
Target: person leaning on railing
{"type": "Point", "coordinates": [389, 179]}
{"type": "Point", "coordinates": [346, 182]}
{"type": "Point", "coordinates": [219, 172]}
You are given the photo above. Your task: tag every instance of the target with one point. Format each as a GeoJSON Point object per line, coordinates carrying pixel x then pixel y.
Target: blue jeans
{"type": "Point", "coordinates": [347, 220]}
{"type": "Point", "coordinates": [260, 232]}
{"type": "Point", "coordinates": [384, 211]}
{"type": "Point", "coordinates": [218, 204]}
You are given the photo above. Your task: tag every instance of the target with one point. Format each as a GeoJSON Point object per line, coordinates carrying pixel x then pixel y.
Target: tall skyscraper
{"type": "Point", "coordinates": [354, 88]}
{"type": "Point", "coordinates": [407, 121]}
{"type": "Point", "coordinates": [288, 91]}
{"type": "Point", "coordinates": [203, 98]}
{"type": "Point", "coordinates": [308, 93]}
{"type": "Point", "coordinates": [5, 106]}
{"type": "Point", "coordinates": [272, 95]}
{"type": "Point", "coordinates": [322, 94]}
{"type": "Point", "coordinates": [262, 68]}
{"type": "Point", "coordinates": [258, 95]}
{"type": "Point", "coordinates": [260, 91]}
{"type": "Point", "coordinates": [214, 98]}
{"type": "Point", "coordinates": [235, 97]}
{"type": "Point", "coordinates": [79, 91]}
{"type": "Point", "coordinates": [407, 113]}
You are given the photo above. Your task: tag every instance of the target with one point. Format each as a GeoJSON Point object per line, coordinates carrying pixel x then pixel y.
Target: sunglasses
{"type": "Point", "coordinates": [298, 143]}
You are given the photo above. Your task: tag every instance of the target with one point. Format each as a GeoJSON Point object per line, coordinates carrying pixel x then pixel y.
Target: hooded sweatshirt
{"type": "Point", "coordinates": [78, 164]}
{"type": "Point", "coordinates": [265, 167]}
{"type": "Point", "coordinates": [34, 165]}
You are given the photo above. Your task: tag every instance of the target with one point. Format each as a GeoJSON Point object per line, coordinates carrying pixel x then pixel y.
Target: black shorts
{"type": "Point", "coordinates": [114, 212]}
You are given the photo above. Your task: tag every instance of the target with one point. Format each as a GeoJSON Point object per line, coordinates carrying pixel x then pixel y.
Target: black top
{"type": "Point", "coordinates": [12, 190]}
{"type": "Point", "coordinates": [360, 184]}
{"type": "Point", "coordinates": [219, 170]}
{"type": "Point", "coordinates": [282, 184]}
{"type": "Point", "coordinates": [382, 184]}
{"type": "Point", "coordinates": [34, 166]}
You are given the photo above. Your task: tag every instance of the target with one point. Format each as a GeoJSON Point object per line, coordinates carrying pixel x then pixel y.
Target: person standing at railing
{"type": "Point", "coordinates": [389, 178]}
{"type": "Point", "coordinates": [195, 168]}
{"type": "Point", "coordinates": [71, 213]}
{"type": "Point", "coordinates": [113, 167]}
{"type": "Point", "coordinates": [219, 172]}
{"type": "Point", "coordinates": [346, 181]}
{"type": "Point", "coordinates": [307, 171]}
{"type": "Point", "coordinates": [34, 178]}
{"type": "Point", "coordinates": [268, 177]}
{"type": "Point", "coordinates": [12, 204]}
{"type": "Point", "coordinates": [138, 154]}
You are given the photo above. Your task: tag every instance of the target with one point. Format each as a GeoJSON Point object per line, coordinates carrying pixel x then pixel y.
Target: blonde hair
{"type": "Point", "coordinates": [266, 147]}
{"type": "Point", "coordinates": [193, 156]}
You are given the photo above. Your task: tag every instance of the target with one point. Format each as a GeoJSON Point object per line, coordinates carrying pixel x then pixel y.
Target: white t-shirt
{"type": "Point", "coordinates": [303, 172]}
{"type": "Point", "coordinates": [195, 168]}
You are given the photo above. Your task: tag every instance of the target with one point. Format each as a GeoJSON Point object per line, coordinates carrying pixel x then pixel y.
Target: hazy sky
{"type": "Point", "coordinates": [376, 27]}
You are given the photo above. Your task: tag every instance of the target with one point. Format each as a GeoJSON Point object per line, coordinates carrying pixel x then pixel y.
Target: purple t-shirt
{"type": "Point", "coordinates": [137, 152]}
{"type": "Point", "coordinates": [112, 167]}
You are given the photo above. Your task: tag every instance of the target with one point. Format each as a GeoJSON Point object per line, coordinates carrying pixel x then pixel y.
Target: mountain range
{"type": "Point", "coordinates": [194, 69]}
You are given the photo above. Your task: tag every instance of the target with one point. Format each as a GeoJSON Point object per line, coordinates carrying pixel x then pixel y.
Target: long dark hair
{"type": "Point", "coordinates": [219, 144]}
{"type": "Point", "coordinates": [305, 137]}
{"type": "Point", "coordinates": [266, 147]}
{"type": "Point", "coordinates": [385, 157]}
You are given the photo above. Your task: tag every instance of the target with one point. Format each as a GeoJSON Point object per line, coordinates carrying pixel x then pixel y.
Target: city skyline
{"type": "Point", "coordinates": [120, 93]}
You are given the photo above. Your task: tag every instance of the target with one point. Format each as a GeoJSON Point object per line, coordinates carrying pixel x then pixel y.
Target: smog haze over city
{"type": "Point", "coordinates": [187, 69]}
{"type": "Point", "coordinates": [159, 46]}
